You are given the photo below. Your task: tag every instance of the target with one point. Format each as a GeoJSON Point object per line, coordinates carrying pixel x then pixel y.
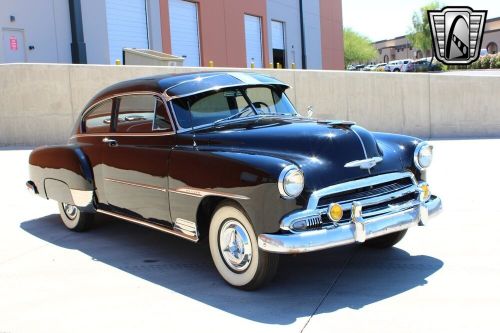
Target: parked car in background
{"type": "Point", "coordinates": [350, 68]}
{"type": "Point", "coordinates": [359, 67]}
{"type": "Point", "coordinates": [379, 67]}
{"type": "Point", "coordinates": [426, 65]}
{"type": "Point", "coordinates": [368, 68]}
{"type": "Point", "coordinates": [409, 67]}
{"type": "Point", "coordinates": [398, 65]}
{"type": "Point", "coordinates": [393, 66]}
{"type": "Point", "coordinates": [224, 156]}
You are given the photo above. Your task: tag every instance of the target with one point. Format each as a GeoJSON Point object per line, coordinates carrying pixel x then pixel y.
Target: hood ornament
{"type": "Point", "coordinates": [364, 164]}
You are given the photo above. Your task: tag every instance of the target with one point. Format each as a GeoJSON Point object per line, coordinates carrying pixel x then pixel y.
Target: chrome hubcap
{"type": "Point", "coordinates": [235, 245]}
{"type": "Point", "coordinates": [70, 211]}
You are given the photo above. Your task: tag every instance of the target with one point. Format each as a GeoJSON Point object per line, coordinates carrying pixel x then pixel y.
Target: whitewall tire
{"type": "Point", "coordinates": [235, 252]}
{"type": "Point", "coordinates": [73, 218]}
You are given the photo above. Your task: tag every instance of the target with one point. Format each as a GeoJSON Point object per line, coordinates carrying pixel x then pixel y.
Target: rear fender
{"type": "Point", "coordinates": [62, 173]}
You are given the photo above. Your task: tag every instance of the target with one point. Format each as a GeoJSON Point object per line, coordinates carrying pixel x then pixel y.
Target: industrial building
{"type": "Point", "coordinates": [229, 33]}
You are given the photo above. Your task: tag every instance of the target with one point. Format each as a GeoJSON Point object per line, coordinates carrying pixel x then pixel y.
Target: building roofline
{"type": "Point", "coordinates": [493, 19]}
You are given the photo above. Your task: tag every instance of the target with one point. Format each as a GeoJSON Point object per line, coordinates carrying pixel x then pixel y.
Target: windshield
{"type": "Point", "coordinates": [231, 104]}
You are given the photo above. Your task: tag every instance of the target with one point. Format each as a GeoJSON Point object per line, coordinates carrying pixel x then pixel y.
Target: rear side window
{"type": "Point", "coordinates": [98, 120]}
{"type": "Point", "coordinates": [142, 114]}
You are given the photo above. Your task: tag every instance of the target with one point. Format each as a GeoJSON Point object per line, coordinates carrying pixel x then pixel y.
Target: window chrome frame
{"type": "Point", "coordinates": [181, 129]}
{"type": "Point", "coordinates": [153, 132]}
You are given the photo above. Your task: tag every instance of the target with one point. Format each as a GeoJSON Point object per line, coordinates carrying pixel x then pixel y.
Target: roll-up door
{"type": "Point", "coordinates": [253, 40]}
{"type": "Point", "coordinates": [278, 43]}
{"type": "Point", "coordinates": [127, 26]}
{"type": "Point", "coordinates": [184, 31]}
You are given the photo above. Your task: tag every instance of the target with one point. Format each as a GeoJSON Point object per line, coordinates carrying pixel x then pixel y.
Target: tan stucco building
{"type": "Point", "coordinates": [401, 48]}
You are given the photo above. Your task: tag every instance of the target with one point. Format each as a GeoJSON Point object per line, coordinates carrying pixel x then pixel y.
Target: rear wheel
{"type": "Point", "coordinates": [396, 70]}
{"type": "Point", "coordinates": [386, 241]}
{"type": "Point", "coordinates": [73, 218]}
{"type": "Point", "coordinates": [235, 252]}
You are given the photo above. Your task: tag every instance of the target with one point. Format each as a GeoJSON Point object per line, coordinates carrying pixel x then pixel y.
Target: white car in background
{"type": "Point", "coordinates": [398, 65]}
{"type": "Point", "coordinates": [377, 66]}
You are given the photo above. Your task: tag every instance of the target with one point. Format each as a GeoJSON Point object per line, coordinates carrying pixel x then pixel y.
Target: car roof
{"type": "Point", "coordinates": [181, 85]}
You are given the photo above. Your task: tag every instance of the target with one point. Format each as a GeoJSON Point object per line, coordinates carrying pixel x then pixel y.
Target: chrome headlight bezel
{"type": "Point", "coordinates": [418, 158]}
{"type": "Point", "coordinates": [285, 191]}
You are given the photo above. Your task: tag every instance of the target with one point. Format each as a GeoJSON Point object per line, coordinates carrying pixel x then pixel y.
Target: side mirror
{"type": "Point", "coordinates": [310, 111]}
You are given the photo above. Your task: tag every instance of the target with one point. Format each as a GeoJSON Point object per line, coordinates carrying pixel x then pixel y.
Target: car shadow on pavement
{"type": "Point", "coordinates": [360, 276]}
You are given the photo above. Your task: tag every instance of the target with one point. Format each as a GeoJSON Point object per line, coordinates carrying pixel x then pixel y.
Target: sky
{"type": "Point", "coordinates": [386, 19]}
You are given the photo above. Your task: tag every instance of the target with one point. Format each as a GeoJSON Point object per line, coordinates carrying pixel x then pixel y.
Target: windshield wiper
{"type": "Point", "coordinates": [231, 117]}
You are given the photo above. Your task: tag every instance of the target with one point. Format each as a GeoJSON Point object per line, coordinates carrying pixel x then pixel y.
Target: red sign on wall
{"type": "Point", "coordinates": [13, 43]}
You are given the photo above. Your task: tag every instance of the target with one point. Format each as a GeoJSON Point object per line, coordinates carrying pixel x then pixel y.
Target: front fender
{"type": "Point", "coordinates": [404, 146]}
{"type": "Point", "coordinates": [248, 179]}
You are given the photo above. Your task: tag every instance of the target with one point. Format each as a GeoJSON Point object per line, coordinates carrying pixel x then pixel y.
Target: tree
{"type": "Point", "coordinates": [357, 48]}
{"type": "Point", "coordinates": [420, 33]}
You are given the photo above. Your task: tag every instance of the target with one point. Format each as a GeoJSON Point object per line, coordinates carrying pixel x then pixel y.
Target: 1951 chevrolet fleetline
{"type": "Point", "coordinates": [225, 156]}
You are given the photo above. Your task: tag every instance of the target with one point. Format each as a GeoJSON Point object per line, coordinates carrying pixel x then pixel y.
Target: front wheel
{"type": "Point", "coordinates": [386, 241]}
{"type": "Point", "coordinates": [73, 218]}
{"type": "Point", "coordinates": [235, 252]}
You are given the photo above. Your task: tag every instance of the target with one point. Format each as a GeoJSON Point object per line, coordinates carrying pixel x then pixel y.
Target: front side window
{"type": "Point", "coordinates": [141, 114]}
{"type": "Point", "coordinates": [209, 107]}
{"type": "Point", "coordinates": [98, 120]}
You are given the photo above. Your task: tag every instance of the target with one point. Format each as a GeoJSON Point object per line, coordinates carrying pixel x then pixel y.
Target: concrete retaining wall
{"type": "Point", "coordinates": [39, 102]}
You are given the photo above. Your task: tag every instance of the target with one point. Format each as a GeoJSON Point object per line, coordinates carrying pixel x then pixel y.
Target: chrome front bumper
{"type": "Point", "coordinates": [358, 230]}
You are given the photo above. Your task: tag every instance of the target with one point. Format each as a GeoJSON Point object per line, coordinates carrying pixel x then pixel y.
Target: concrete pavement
{"type": "Point", "coordinates": [120, 277]}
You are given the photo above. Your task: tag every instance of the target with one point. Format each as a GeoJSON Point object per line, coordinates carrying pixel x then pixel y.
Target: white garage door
{"type": "Point", "coordinates": [278, 35]}
{"type": "Point", "coordinates": [184, 31]}
{"type": "Point", "coordinates": [127, 26]}
{"type": "Point", "coordinates": [253, 40]}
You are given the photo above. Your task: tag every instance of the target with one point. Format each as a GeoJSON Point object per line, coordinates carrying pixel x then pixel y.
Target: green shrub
{"type": "Point", "coordinates": [495, 61]}
{"type": "Point", "coordinates": [485, 62]}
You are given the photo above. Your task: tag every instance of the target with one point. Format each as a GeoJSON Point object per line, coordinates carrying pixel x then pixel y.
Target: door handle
{"type": "Point", "coordinates": [110, 142]}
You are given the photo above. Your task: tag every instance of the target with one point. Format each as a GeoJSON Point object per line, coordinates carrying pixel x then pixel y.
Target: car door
{"type": "Point", "coordinates": [135, 159]}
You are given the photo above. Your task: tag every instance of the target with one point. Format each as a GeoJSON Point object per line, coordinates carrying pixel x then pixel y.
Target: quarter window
{"type": "Point", "coordinates": [142, 114]}
{"type": "Point", "coordinates": [98, 120]}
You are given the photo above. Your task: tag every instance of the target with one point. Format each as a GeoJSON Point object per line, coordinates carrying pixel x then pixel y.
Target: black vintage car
{"type": "Point", "coordinates": [225, 156]}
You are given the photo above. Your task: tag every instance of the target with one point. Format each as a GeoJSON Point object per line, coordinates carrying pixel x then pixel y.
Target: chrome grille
{"type": "Point", "coordinates": [313, 222]}
{"type": "Point", "coordinates": [366, 192]}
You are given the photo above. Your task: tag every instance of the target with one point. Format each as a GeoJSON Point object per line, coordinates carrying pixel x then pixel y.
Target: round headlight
{"type": "Point", "coordinates": [291, 182]}
{"type": "Point", "coordinates": [423, 155]}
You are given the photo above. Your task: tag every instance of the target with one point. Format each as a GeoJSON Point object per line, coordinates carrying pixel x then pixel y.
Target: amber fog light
{"type": "Point", "coordinates": [425, 192]}
{"type": "Point", "coordinates": [335, 212]}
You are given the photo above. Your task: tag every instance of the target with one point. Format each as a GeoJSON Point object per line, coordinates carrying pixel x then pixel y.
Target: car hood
{"type": "Point", "coordinates": [320, 148]}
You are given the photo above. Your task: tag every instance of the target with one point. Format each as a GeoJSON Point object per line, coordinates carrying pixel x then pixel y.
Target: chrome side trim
{"type": "Point", "coordinates": [81, 198]}
{"type": "Point", "coordinates": [149, 187]}
{"type": "Point", "coordinates": [186, 227]}
{"type": "Point", "coordinates": [360, 230]}
{"type": "Point", "coordinates": [200, 193]}
{"type": "Point", "coordinates": [364, 182]}
{"type": "Point", "coordinates": [149, 225]}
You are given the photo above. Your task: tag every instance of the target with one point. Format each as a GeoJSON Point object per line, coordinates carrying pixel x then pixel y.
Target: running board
{"type": "Point", "coordinates": [191, 237]}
